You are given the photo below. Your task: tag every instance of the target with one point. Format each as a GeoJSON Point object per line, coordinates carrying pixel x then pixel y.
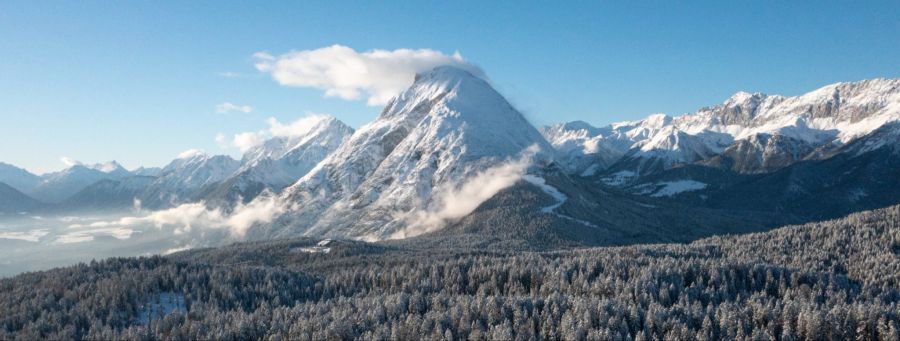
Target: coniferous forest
{"type": "Point", "coordinates": [832, 280]}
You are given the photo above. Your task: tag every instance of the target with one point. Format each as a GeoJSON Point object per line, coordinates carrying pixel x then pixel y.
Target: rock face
{"type": "Point", "coordinates": [448, 126]}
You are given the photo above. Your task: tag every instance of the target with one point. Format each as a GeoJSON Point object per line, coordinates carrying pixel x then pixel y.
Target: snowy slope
{"type": "Point", "coordinates": [279, 161]}
{"type": "Point", "coordinates": [178, 181]}
{"type": "Point", "coordinates": [446, 127]}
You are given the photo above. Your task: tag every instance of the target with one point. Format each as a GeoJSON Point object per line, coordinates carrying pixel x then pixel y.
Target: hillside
{"type": "Point", "coordinates": [828, 280]}
{"type": "Point", "coordinates": [14, 201]}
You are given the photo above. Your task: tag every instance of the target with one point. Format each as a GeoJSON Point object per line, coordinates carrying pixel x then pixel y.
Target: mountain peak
{"type": "Point", "coordinates": [107, 167]}
{"type": "Point", "coordinates": [742, 98]}
{"type": "Point", "coordinates": [449, 125]}
{"type": "Point", "coordinates": [191, 153]}
{"type": "Point", "coordinates": [449, 73]}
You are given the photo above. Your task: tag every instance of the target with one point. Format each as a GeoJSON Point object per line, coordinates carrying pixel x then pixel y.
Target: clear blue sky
{"type": "Point", "coordinates": [138, 81]}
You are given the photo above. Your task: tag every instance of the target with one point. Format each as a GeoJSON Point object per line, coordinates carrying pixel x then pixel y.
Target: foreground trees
{"type": "Point", "coordinates": [832, 280]}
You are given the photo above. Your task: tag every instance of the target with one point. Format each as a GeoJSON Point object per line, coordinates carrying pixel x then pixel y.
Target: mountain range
{"type": "Point", "coordinates": [449, 157]}
{"type": "Point", "coordinates": [192, 176]}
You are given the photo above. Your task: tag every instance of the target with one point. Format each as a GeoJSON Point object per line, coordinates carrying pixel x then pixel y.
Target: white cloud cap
{"type": "Point", "coordinates": [246, 141]}
{"type": "Point", "coordinates": [191, 153]}
{"type": "Point", "coordinates": [69, 162]}
{"type": "Point", "coordinates": [345, 73]}
{"type": "Point", "coordinates": [300, 127]}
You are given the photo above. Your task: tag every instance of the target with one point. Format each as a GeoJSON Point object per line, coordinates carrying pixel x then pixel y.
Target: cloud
{"type": "Point", "coordinates": [229, 74]}
{"type": "Point", "coordinates": [300, 127]}
{"type": "Point", "coordinates": [246, 141]}
{"type": "Point", "coordinates": [185, 217]}
{"type": "Point", "coordinates": [187, 154]}
{"type": "Point", "coordinates": [229, 107]}
{"type": "Point", "coordinates": [455, 201]}
{"type": "Point", "coordinates": [119, 233]}
{"type": "Point", "coordinates": [345, 73]}
{"type": "Point", "coordinates": [69, 162]}
{"type": "Point", "coordinates": [221, 140]}
{"type": "Point", "coordinates": [30, 236]}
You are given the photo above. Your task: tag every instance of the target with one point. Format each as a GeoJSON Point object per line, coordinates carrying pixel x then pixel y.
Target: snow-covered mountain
{"type": "Point", "coordinates": [56, 187]}
{"type": "Point", "coordinates": [451, 154]}
{"type": "Point", "coordinates": [445, 128]}
{"type": "Point", "coordinates": [112, 168]}
{"type": "Point", "coordinates": [748, 133]}
{"type": "Point", "coordinates": [108, 194]}
{"type": "Point", "coordinates": [178, 181]}
{"type": "Point", "coordinates": [280, 161]}
{"type": "Point", "coordinates": [193, 176]}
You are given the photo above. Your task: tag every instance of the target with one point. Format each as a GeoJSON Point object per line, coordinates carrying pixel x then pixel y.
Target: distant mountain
{"type": "Point", "coordinates": [14, 201]}
{"type": "Point", "coordinates": [748, 133]}
{"type": "Point", "coordinates": [448, 126]}
{"type": "Point", "coordinates": [18, 178]}
{"type": "Point", "coordinates": [279, 162]}
{"type": "Point", "coordinates": [179, 181]}
{"type": "Point", "coordinates": [112, 168]}
{"type": "Point", "coordinates": [147, 171]}
{"type": "Point", "coordinates": [56, 187]}
{"type": "Point", "coordinates": [193, 176]}
{"type": "Point", "coordinates": [108, 194]}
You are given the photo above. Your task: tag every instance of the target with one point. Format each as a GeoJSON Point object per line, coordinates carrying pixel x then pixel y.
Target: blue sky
{"type": "Point", "coordinates": [139, 81]}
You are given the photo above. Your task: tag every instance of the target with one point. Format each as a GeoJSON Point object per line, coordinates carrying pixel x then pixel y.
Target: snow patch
{"type": "Point", "coordinates": [670, 188]}
{"type": "Point", "coordinates": [556, 194]}
{"type": "Point", "coordinates": [177, 249]}
{"type": "Point", "coordinates": [321, 247]}
{"type": "Point", "coordinates": [550, 190]}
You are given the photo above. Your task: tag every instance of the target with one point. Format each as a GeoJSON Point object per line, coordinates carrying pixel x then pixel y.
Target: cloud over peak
{"type": "Point", "coordinates": [247, 140]}
{"type": "Point", "coordinates": [342, 72]}
{"type": "Point", "coordinates": [69, 162]}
